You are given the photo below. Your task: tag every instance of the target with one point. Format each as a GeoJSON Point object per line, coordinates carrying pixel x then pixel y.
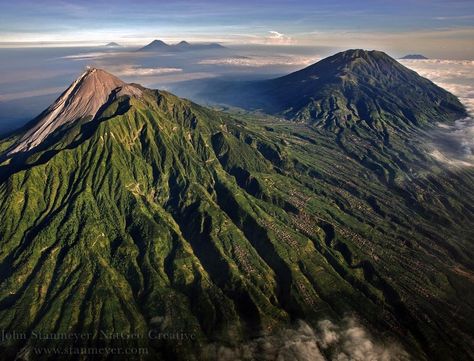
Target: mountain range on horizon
{"type": "Point", "coordinates": [127, 209]}
{"type": "Point", "coordinates": [159, 45]}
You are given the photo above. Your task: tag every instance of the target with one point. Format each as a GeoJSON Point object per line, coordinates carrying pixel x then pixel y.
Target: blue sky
{"type": "Point", "coordinates": [439, 25]}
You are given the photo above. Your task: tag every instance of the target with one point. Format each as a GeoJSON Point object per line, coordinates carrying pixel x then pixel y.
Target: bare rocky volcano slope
{"type": "Point", "coordinates": [80, 101]}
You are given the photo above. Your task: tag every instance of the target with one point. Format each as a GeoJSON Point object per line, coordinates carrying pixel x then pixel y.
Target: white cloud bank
{"type": "Point", "coordinates": [5, 97]}
{"type": "Point", "coordinates": [135, 70]}
{"type": "Point", "coordinates": [327, 342]}
{"type": "Point", "coordinates": [86, 56]}
{"type": "Point", "coordinates": [454, 144]}
{"type": "Point", "coordinates": [258, 61]}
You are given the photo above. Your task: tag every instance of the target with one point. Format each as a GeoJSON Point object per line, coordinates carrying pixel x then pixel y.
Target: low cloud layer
{"type": "Point", "coordinates": [30, 93]}
{"type": "Point", "coordinates": [134, 70]}
{"type": "Point", "coordinates": [453, 144]}
{"type": "Point", "coordinates": [260, 61]}
{"type": "Point", "coordinates": [87, 55]}
{"type": "Point", "coordinates": [327, 342]}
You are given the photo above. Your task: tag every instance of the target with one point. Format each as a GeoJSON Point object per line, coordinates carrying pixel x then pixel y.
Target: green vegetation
{"type": "Point", "coordinates": [162, 214]}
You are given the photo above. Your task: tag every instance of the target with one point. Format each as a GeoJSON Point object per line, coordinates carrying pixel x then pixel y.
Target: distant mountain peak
{"type": "Point", "coordinates": [159, 45]}
{"type": "Point", "coordinates": [216, 44]}
{"type": "Point", "coordinates": [81, 100]}
{"type": "Point", "coordinates": [155, 45]}
{"type": "Point", "coordinates": [414, 57]}
{"type": "Point", "coordinates": [158, 42]}
{"type": "Point", "coordinates": [113, 45]}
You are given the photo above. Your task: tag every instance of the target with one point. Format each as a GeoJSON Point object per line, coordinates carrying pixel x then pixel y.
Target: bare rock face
{"type": "Point", "coordinates": [82, 99]}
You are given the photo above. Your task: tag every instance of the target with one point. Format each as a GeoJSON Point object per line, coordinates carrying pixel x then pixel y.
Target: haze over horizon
{"type": "Point", "coordinates": [438, 29]}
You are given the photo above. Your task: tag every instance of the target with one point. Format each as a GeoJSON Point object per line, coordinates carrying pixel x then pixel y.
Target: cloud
{"type": "Point", "coordinates": [453, 144]}
{"type": "Point", "coordinates": [353, 343]}
{"type": "Point", "coordinates": [278, 38]}
{"type": "Point", "coordinates": [459, 17]}
{"type": "Point", "coordinates": [260, 61]}
{"type": "Point", "coordinates": [456, 76]}
{"type": "Point", "coordinates": [30, 93]}
{"type": "Point", "coordinates": [441, 69]}
{"type": "Point", "coordinates": [348, 341]}
{"type": "Point", "coordinates": [276, 35]}
{"type": "Point", "coordinates": [30, 74]}
{"type": "Point", "coordinates": [271, 37]}
{"type": "Point", "coordinates": [134, 70]}
{"type": "Point", "coordinates": [85, 56]}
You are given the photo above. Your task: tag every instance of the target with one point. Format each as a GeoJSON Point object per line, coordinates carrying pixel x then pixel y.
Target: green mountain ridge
{"type": "Point", "coordinates": [351, 88]}
{"type": "Point", "coordinates": [160, 214]}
